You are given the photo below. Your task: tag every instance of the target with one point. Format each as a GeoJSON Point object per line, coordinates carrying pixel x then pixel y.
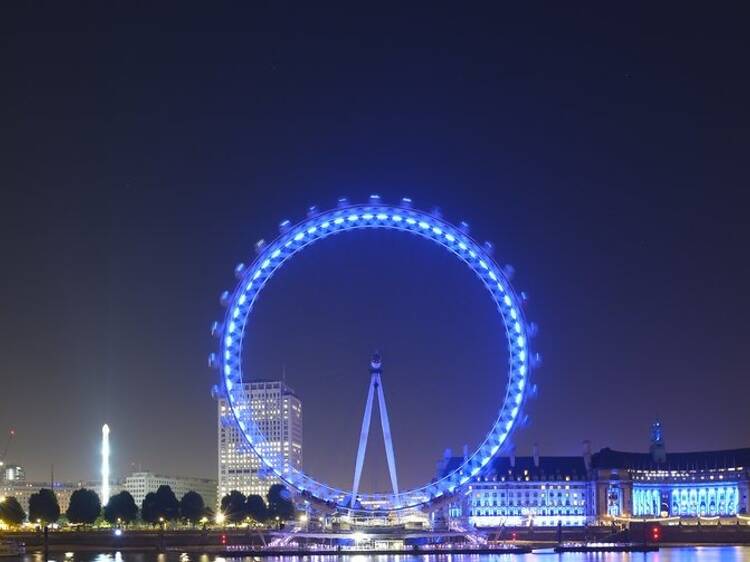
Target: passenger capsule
{"type": "Point", "coordinates": [213, 362]}
{"type": "Point", "coordinates": [224, 298]}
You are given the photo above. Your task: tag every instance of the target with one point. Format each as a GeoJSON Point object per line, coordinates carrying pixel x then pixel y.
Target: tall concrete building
{"type": "Point", "coordinates": [278, 413]}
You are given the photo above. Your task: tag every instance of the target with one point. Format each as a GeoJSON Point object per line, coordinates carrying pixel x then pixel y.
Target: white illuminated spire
{"type": "Point", "coordinates": [105, 465]}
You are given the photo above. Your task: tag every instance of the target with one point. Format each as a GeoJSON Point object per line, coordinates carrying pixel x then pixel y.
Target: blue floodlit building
{"type": "Point", "coordinates": [575, 491]}
{"type": "Point", "coordinates": [518, 491]}
{"type": "Point", "coordinates": [700, 484]}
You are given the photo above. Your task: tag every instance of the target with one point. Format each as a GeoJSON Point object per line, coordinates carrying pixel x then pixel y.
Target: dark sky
{"type": "Point", "coordinates": [604, 151]}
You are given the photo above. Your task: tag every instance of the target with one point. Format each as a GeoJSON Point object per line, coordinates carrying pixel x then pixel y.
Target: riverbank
{"type": "Point", "coordinates": [216, 540]}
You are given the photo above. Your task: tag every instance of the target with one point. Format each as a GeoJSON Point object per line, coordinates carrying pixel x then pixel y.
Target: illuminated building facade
{"type": "Point", "coordinates": [700, 484]}
{"type": "Point", "coordinates": [661, 484]}
{"type": "Point", "coordinates": [607, 485]}
{"type": "Point", "coordinates": [278, 413]}
{"type": "Point", "coordinates": [542, 491]}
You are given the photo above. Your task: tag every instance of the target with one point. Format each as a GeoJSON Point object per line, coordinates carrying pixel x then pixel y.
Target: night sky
{"type": "Point", "coordinates": [142, 155]}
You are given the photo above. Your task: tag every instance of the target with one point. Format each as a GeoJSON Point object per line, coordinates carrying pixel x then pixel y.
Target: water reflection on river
{"type": "Point", "coordinates": [686, 554]}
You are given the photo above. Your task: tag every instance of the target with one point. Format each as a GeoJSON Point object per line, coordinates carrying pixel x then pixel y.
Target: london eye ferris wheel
{"type": "Point", "coordinates": [347, 217]}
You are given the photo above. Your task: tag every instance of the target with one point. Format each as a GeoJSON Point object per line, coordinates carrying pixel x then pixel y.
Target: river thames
{"type": "Point", "coordinates": [676, 554]}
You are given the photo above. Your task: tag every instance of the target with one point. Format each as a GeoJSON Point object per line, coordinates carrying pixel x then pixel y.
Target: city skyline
{"type": "Point", "coordinates": [605, 164]}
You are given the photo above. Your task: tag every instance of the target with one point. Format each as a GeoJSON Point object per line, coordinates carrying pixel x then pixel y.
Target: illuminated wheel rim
{"type": "Point", "coordinates": [346, 218]}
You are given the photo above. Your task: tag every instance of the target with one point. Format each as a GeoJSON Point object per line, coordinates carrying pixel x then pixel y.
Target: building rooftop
{"type": "Point", "coordinates": [574, 468]}
{"type": "Point", "coordinates": [254, 384]}
{"type": "Point", "coordinates": [149, 474]}
{"type": "Point", "coordinates": [698, 460]}
{"type": "Point", "coordinates": [549, 468]}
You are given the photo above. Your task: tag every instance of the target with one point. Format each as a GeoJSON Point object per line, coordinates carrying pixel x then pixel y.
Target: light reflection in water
{"type": "Point", "coordinates": [691, 554]}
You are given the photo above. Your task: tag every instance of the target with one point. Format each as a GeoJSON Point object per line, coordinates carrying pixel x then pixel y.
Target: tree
{"type": "Point", "coordinates": [43, 506]}
{"type": "Point", "coordinates": [167, 503]}
{"type": "Point", "coordinates": [233, 506]}
{"type": "Point", "coordinates": [11, 511]}
{"type": "Point", "coordinates": [280, 503]}
{"type": "Point", "coordinates": [84, 507]}
{"type": "Point", "coordinates": [209, 513]}
{"type": "Point", "coordinates": [150, 509]}
{"type": "Point", "coordinates": [121, 506]}
{"type": "Point", "coordinates": [192, 507]}
{"type": "Point", "coordinates": [256, 508]}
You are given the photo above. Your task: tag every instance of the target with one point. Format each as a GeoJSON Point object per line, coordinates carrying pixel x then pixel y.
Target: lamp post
{"type": "Point", "coordinates": [46, 541]}
{"type": "Point", "coordinates": [161, 534]}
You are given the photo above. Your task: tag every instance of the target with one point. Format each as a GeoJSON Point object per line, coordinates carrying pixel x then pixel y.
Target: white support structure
{"type": "Point", "coordinates": [376, 385]}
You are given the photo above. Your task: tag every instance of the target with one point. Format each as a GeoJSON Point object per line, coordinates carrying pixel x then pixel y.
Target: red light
{"type": "Point", "coordinates": [223, 539]}
{"type": "Point", "coordinates": [513, 536]}
{"type": "Point", "coordinates": [655, 533]}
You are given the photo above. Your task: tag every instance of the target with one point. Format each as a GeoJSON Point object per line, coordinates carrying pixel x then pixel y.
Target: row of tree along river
{"type": "Point", "coordinates": [159, 507]}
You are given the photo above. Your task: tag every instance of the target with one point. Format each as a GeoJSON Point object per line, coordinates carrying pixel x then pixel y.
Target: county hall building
{"type": "Point", "coordinates": [604, 486]}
